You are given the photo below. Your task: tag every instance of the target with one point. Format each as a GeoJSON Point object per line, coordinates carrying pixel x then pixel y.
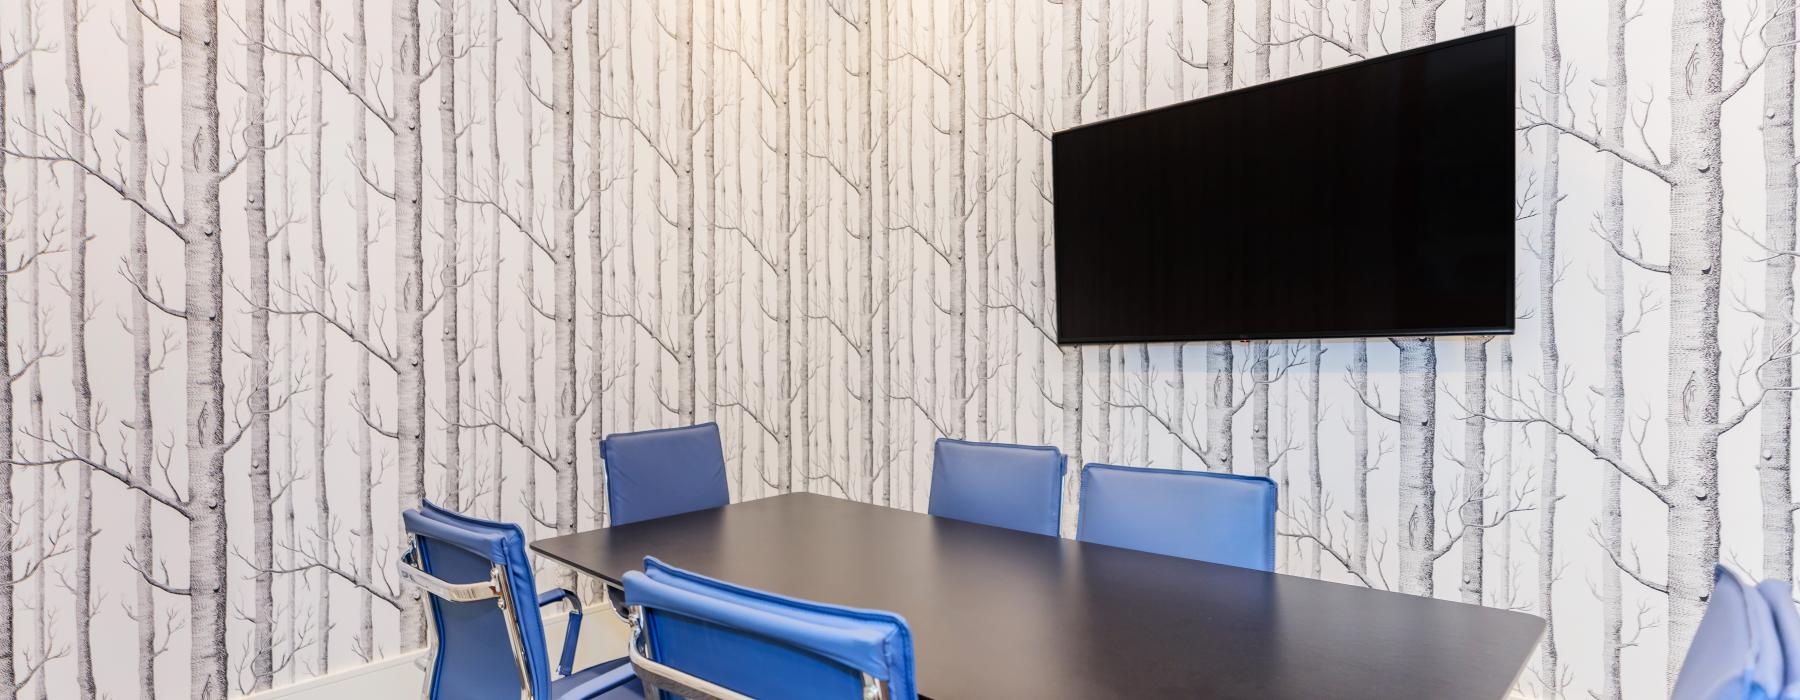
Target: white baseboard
{"type": "Point", "coordinates": [402, 675]}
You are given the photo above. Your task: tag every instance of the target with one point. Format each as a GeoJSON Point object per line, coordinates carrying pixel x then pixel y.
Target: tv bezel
{"type": "Point", "coordinates": [1508, 33]}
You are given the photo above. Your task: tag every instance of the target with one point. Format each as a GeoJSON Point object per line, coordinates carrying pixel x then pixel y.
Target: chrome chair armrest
{"type": "Point", "coordinates": [454, 592]}
{"type": "Point", "coordinates": [616, 597]}
{"type": "Point", "coordinates": [572, 636]}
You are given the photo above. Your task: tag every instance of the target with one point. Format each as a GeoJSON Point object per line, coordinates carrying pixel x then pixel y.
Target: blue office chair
{"type": "Point", "coordinates": [657, 473]}
{"type": "Point", "coordinates": [1221, 518]}
{"type": "Point", "coordinates": [1012, 486]}
{"type": "Point", "coordinates": [1736, 652]}
{"type": "Point", "coordinates": [483, 650]}
{"type": "Point", "coordinates": [704, 638]}
{"type": "Point", "coordinates": [1780, 597]}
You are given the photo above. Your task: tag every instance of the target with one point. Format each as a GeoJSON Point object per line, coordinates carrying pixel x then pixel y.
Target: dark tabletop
{"type": "Point", "coordinates": [1002, 614]}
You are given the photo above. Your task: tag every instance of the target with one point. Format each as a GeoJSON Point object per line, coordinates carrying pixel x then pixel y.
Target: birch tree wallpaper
{"type": "Point", "coordinates": [275, 270]}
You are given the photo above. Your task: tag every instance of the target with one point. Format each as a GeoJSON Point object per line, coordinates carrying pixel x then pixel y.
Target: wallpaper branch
{"type": "Point", "coordinates": [360, 254]}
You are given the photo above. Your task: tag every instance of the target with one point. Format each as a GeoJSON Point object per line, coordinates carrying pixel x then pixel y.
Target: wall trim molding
{"type": "Point", "coordinates": [402, 675]}
{"type": "Point", "coordinates": [388, 673]}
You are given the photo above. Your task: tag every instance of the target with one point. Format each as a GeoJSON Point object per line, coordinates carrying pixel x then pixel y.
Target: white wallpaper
{"type": "Point", "coordinates": [439, 249]}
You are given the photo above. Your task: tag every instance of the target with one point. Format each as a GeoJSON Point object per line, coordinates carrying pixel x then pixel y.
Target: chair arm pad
{"type": "Point", "coordinates": [559, 594]}
{"type": "Point", "coordinates": [573, 635]}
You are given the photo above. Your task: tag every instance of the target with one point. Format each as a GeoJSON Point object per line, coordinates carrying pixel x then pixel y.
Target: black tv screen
{"type": "Point", "coordinates": [1371, 199]}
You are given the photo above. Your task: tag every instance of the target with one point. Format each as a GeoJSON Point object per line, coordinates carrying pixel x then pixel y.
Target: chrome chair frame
{"type": "Point", "coordinates": [496, 587]}
{"type": "Point", "coordinates": [660, 678]}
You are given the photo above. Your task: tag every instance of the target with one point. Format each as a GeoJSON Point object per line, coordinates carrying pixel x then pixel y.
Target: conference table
{"type": "Point", "coordinates": [997, 613]}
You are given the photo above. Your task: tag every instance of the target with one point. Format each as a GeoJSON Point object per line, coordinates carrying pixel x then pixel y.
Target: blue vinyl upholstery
{"type": "Point", "coordinates": [1780, 597]}
{"type": "Point", "coordinates": [1012, 486]}
{"type": "Point", "coordinates": [764, 645]}
{"type": "Point", "coordinates": [1221, 518]}
{"type": "Point", "coordinates": [1736, 652]}
{"type": "Point", "coordinates": [657, 473]}
{"type": "Point", "coordinates": [473, 656]}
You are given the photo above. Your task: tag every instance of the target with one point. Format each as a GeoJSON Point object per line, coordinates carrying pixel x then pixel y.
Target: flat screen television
{"type": "Point", "coordinates": [1371, 199]}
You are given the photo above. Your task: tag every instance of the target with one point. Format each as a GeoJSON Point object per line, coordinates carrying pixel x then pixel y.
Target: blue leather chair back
{"type": "Point", "coordinates": [1736, 653]}
{"type": "Point", "coordinates": [1221, 518]}
{"type": "Point", "coordinates": [1011, 486]}
{"type": "Point", "coordinates": [764, 645]}
{"type": "Point", "coordinates": [1779, 595]}
{"type": "Point", "coordinates": [657, 473]}
{"type": "Point", "coordinates": [474, 658]}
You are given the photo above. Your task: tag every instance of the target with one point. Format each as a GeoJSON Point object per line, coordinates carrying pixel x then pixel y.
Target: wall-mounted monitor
{"type": "Point", "coordinates": [1370, 199]}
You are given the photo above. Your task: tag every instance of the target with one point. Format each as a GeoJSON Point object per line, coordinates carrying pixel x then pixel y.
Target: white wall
{"type": "Point", "coordinates": [859, 270]}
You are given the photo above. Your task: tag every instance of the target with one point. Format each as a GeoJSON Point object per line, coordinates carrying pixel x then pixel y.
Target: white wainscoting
{"type": "Point", "coordinates": [603, 637]}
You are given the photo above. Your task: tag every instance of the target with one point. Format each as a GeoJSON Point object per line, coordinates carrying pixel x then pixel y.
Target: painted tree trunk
{"type": "Point", "coordinates": [143, 452]}
{"type": "Point", "coordinates": [409, 278]}
{"type": "Point", "coordinates": [1104, 56]}
{"type": "Point", "coordinates": [1474, 459]}
{"type": "Point", "coordinates": [448, 275]}
{"type": "Point", "coordinates": [1105, 449]}
{"type": "Point", "coordinates": [82, 588]}
{"type": "Point", "coordinates": [1418, 22]}
{"type": "Point", "coordinates": [203, 263]}
{"type": "Point", "coordinates": [364, 395]}
{"type": "Point", "coordinates": [978, 287]}
{"type": "Point", "coordinates": [882, 73]}
{"type": "Point", "coordinates": [9, 677]}
{"type": "Point", "coordinates": [873, 109]}
{"type": "Point", "coordinates": [715, 361]}
{"type": "Point", "coordinates": [528, 252]}
{"type": "Point", "coordinates": [282, 262]}
{"type": "Point", "coordinates": [1362, 465]}
{"type": "Point", "coordinates": [659, 224]}
{"type": "Point", "coordinates": [1474, 16]}
{"type": "Point", "coordinates": [1696, 202]}
{"type": "Point", "coordinates": [1612, 423]}
{"type": "Point", "coordinates": [1315, 486]}
{"type": "Point", "coordinates": [1260, 460]}
{"type": "Point", "coordinates": [800, 313]}
{"type": "Point", "coordinates": [562, 144]}
{"type": "Point", "coordinates": [596, 259]}
{"type": "Point", "coordinates": [686, 333]}
{"type": "Point", "coordinates": [960, 215]}
{"type": "Point", "coordinates": [1550, 377]}
{"type": "Point", "coordinates": [1262, 25]}
{"type": "Point", "coordinates": [1416, 460]}
{"type": "Point", "coordinates": [256, 222]}
{"type": "Point", "coordinates": [496, 337]}
{"type": "Point", "coordinates": [1778, 292]}
{"type": "Point", "coordinates": [629, 247]}
{"type": "Point", "coordinates": [34, 339]}
{"type": "Point", "coordinates": [787, 295]}
{"type": "Point", "coordinates": [322, 621]}
{"type": "Point", "coordinates": [1007, 36]}
{"type": "Point", "coordinates": [1221, 406]}
{"type": "Point", "coordinates": [1221, 54]}
{"type": "Point", "coordinates": [1359, 26]}
{"type": "Point", "coordinates": [1501, 586]}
